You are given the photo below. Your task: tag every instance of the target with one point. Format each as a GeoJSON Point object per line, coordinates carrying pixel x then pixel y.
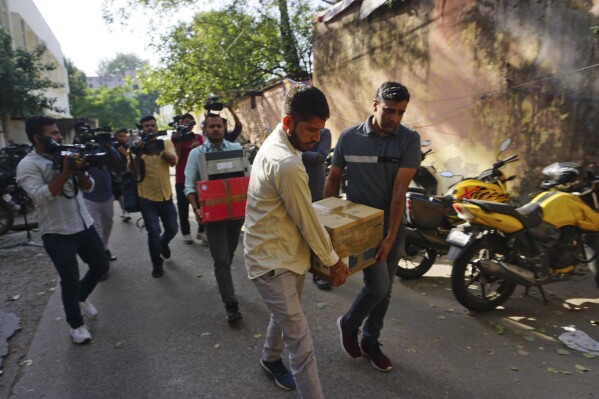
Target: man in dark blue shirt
{"type": "Point", "coordinates": [381, 156]}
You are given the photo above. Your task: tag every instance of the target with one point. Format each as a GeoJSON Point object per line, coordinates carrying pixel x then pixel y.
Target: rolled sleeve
{"type": "Point", "coordinates": [30, 180]}
{"type": "Point", "coordinates": [192, 172]}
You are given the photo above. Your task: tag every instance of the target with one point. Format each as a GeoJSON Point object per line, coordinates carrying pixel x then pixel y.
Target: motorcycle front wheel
{"type": "Point", "coordinates": [474, 289]}
{"type": "Point", "coordinates": [6, 218]}
{"type": "Point", "coordinates": [416, 262]}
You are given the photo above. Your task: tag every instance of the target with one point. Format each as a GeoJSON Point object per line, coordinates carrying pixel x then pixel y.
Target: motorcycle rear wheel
{"type": "Point", "coordinates": [416, 262]}
{"type": "Point", "coordinates": [6, 218]}
{"type": "Point", "coordinates": [474, 289]}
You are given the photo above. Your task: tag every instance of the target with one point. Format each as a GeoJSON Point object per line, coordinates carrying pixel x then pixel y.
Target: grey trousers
{"type": "Point", "coordinates": [281, 291]}
{"type": "Point", "coordinates": [102, 213]}
{"type": "Point", "coordinates": [223, 238]}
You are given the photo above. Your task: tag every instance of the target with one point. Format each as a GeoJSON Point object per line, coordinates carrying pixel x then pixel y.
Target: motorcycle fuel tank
{"type": "Point", "coordinates": [475, 189]}
{"type": "Point", "coordinates": [565, 209]}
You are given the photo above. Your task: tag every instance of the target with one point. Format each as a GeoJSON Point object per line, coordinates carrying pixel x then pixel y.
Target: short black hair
{"type": "Point", "coordinates": [305, 102]}
{"type": "Point", "coordinates": [211, 115]}
{"type": "Point", "coordinates": [147, 118]}
{"type": "Point", "coordinates": [121, 130]}
{"type": "Point", "coordinates": [34, 125]}
{"type": "Point", "coordinates": [187, 116]}
{"type": "Point", "coordinates": [393, 91]}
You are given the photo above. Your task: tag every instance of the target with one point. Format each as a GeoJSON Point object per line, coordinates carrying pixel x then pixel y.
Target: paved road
{"type": "Point", "coordinates": [167, 338]}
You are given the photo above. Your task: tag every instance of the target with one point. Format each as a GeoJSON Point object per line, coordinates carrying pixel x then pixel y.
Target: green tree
{"type": "Point", "coordinates": [219, 51]}
{"type": "Point", "coordinates": [112, 107]}
{"type": "Point", "coordinates": [121, 66]}
{"type": "Point", "coordinates": [241, 46]}
{"type": "Point", "coordinates": [23, 81]}
{"type": "Point", "coordinates": [78, 89]}
{"type": "Point", "coordinates": [147, 102]}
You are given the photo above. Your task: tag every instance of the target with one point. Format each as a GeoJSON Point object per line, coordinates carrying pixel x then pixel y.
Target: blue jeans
{"type": "Point", "coordinates": [370, 306]}
{"type": "Point", "coordinates": [223, 238]}
{"type": "Point", "coordinates": [153, 212]}
{"type": "Point", "coordinates": [63, 251]}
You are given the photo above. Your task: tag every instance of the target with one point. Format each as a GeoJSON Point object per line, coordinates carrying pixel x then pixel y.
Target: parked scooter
{"type": "Point", "coordinates": [424, 180]}
{"type": "Point", "coordinates": [430, 218]}
{"type": "Point", "coordinates": [545, 241]}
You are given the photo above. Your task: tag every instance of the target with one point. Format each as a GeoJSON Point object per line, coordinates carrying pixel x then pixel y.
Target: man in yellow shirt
{"type": "Point", "coordinates": [151, 163]}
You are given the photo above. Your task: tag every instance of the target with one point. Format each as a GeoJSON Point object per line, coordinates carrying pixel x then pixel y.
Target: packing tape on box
{"type": "Point", "coordinates": [228, 200]}
{"type": "Point", "coordinates": [340, 210]}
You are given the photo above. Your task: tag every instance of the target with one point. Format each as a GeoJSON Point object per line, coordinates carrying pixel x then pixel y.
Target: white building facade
{"type": "Point", "coordinates": [27, 26]}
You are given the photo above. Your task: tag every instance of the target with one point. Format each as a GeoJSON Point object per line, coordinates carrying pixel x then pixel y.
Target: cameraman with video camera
{"type": "Point", "coordinates": [65, 224]}
{"type": "Point", "coordinates": [100, 200]}
{"type": "Point", "coordinates": [184, 140]}
{"type": "Point", "coordinates": [121, 144]}
{"type": "Point", "coordinates": [213, 105]}
{"type": "Point", "coordinates": [150, 163]}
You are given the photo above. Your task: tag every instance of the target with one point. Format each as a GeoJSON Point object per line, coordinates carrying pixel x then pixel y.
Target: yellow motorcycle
{"type": "Point", "coordinates": [548, 240]}
{"type": "Point", "coordinates": [431, 217]}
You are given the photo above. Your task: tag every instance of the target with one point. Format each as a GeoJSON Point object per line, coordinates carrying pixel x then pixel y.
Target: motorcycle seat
{"type": "Point", "coordinates": [529, 215]}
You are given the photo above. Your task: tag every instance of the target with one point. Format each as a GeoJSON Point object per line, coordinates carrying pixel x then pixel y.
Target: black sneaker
{"type": "Point", "coordinates": [321, 283]}
{"type": "Point", "coordinates": [165, 251]}
{"type": "Point", "coordinates": [233, 316]}
{"type": "Point", "coordinates": [157, 271]}
{"type": "Point", "coordinates": [279, 373]}
{"type": "Point", "coordinates": [377, 358]}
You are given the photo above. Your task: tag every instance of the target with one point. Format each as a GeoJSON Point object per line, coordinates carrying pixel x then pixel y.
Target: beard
{"type": "Point", "coordinates": [295, 142]}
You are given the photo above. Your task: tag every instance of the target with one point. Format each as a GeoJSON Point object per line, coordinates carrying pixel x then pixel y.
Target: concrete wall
{"type": "Point", "coordinates": [478, 72]}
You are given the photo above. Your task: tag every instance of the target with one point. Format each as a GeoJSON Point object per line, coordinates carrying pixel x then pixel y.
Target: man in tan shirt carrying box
{"type": "Point", "coordinates": [280, 229]}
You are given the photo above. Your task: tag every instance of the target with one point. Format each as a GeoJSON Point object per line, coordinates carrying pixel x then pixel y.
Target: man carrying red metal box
{"type": "Point", "coordinates": [223, 234]}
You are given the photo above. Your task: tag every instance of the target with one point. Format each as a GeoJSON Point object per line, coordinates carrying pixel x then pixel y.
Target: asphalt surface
{"type": "Point", "coordinates": [167, 338]}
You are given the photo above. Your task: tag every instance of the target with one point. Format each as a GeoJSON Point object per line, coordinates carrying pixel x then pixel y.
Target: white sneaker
{"type": "Point", "coordinates": [87, 309]}
{"type": "Point", "coordinates": [187, 239]}
{"type": "Point", "coordinates": [80, 335]}
{"type": "Point", "coordinates": [203, 237]}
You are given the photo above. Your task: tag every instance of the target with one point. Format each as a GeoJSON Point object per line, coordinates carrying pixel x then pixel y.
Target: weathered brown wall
{"type": "Point", "coordinates": [260, 120]}
{"type": "Point", "coordinates": [478, 72]}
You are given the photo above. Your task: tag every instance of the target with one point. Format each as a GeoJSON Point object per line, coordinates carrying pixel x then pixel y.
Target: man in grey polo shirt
{"type": "Point", "coordinates": [381, 157]}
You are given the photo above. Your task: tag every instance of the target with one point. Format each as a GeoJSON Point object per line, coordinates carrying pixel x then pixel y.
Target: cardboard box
{"type": "Point", "coordinates": [223, 199]}
{"type": "Point", "coordinates": [219, 164]}
{"type": "Point", "coordinates": [356, 231]}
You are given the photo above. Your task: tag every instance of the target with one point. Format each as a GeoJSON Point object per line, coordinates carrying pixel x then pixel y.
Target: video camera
{"type": "Point", "coordinates": [212, 104]}
{"type": "Point", "coordinates": [80, 156]}
{"type": "Point", "coordinates": [183, 131]}
{"type": "Point", "coordinates": [85, 134]}
{"type": "Point", "coordinates": [151, 146]}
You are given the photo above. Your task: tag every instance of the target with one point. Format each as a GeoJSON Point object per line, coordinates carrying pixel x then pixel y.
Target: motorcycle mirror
{"type": "Point", "coordinates": [447, 173]}
{"type": "Point", "coordinates": [425, 143]}
{"type": "Point", "coordinates": [505, 144]}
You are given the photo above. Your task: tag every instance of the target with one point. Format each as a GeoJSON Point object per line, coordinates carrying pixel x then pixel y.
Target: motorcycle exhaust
{"type": "Point", "coordinates": [507, 271]}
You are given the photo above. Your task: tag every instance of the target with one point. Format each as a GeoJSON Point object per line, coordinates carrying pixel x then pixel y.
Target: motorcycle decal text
{"type": "Point", "coordinates": [484, 193]}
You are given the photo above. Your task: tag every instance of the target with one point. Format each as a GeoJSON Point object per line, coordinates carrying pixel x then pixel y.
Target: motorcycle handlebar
{"type": "Point", "coordinates": [424, 154]}
{"type": "Point", "coordinates": [504, 162]}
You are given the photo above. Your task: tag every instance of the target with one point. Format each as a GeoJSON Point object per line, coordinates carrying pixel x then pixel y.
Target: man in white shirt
{"type": "Point", "coordinates": [65, 224]}
{"type": "Point", "coordinates": [280, 229]}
